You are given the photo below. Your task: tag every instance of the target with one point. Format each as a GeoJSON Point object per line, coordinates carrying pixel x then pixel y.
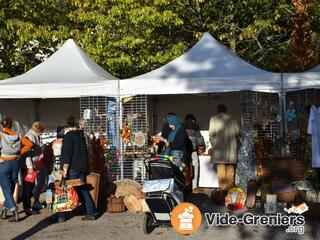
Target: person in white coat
{"type": "Point", "coordinates": [223, 135]}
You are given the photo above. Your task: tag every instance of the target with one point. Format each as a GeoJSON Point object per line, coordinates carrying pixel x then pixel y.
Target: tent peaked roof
{"type": "Point", "coordinates": [68, 72]}
{"type": "Point", "coordinates": [207, 67]}
{"type": "Point", "coordinates": [302, 80]}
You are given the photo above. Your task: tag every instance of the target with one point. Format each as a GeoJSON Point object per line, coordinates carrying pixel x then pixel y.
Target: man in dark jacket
{"type": "Point", "coordinates": [75, 163]}
{"type": "Point", "coordinates": [194, 134]}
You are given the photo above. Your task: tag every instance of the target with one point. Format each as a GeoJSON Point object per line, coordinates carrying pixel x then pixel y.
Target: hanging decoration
{"type": "Point", "coordinates": [111, 122]}
{"type": "Point", "coordinates": [87, 114]}
{"type": "Point", "coordinates": [139, 139]}
{"type": "Point", "coordinates": [262, 120]}
{"type": "Point", "coordinates": [246, 167]}
{"type": "Point", "coordinates": [133, 116]}
{"type": "Point", "coordinates": [291, 115]}
{"type": "Point", "coordinates": [291, 112]}
{"type": "Point", "coordinates": [126, 133]}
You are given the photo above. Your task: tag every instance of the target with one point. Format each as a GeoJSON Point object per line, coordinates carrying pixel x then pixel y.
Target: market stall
{"type": "Point", "coordinates": [202, 78]}
{"type": "Point", "coordinates": [50, 92]}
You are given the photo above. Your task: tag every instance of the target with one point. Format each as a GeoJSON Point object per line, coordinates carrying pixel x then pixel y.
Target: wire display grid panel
{"type": "Point", "coordinates": [260, 118]}
{"type": "Point", "coordinates": [260, 113]}
{"type": "Point", "coordinates": [98, 114]}
{"type": "Point", "coordinates": [298, 105]}
{"type": "Point", "coordinates": [134, 111]}
{"type": "Point", "coordinates": [102, 120]}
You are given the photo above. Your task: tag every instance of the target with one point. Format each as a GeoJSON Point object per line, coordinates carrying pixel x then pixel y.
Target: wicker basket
{"type": "Point", "coordinates": [132, 204]}
{"type": "Point", "coordinates": [286, 197]}
{"type": "Point", "coordinates": [144, 205]}
{"type": "Point", "coordinates": [127, 187]}
{"type": "Point", "coordinates": [285, 192]}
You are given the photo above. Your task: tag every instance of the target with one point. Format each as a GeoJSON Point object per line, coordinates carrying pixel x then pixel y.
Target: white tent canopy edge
{"type": "Point", "coordinates": [206, 68]}
{"type": "Point", "coordinates": [302, 80]}
{"type": "Point", "coordinates": [67, 73]}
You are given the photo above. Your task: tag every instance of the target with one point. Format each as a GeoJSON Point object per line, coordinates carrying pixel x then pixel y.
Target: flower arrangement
{"type": "Point", "coordinates": [111, 164]}
{"type": "Point", "coordinates": [126, 133]}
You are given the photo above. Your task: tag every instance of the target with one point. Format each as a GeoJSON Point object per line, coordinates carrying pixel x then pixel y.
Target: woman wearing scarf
{"type": "Point", "coordinates": [178, 143]}
{"type": "Point", "coordinates": [180, 147]}
{"type": "Point", "coordinates": [164, 133]}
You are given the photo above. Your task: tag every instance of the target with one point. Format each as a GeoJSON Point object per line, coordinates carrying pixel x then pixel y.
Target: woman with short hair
{"type": "Point", "coordinates": [32, 150]}
{"type": "Point", "coordinates": [9, 168]}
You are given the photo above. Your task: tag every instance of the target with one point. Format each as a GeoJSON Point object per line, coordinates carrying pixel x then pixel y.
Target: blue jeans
{"type": "Point", "coordinates": [8, 178]}
{"type": "Point", "coordinates": [83, 190]}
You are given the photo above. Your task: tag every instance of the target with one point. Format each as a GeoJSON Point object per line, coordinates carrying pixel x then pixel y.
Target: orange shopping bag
{"type": "Point", "coordinates": [65, 199]}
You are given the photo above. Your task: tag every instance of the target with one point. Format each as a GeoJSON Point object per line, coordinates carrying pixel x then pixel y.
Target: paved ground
{"type": "Point", "coordinates": [129, 226]}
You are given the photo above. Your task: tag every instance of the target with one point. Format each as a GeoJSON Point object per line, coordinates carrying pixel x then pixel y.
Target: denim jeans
{"type": "Point", "coordinates": [83, 190]}
{"type": "Point", "coordinates": [8, 177]}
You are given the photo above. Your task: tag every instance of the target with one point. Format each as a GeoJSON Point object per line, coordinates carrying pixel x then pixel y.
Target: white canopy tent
{"type": "Point", "coordinates": [61, 79]}
{"type": "Point", "coordinates": [302, 80]}
{"type": "Point", "coordinates": [68, 73]}
{"type": "Point", "coordinates": [207, 67]}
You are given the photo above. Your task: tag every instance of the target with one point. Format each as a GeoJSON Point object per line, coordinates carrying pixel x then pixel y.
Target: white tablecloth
{"type": "Point", "coordinates": [208, 176]}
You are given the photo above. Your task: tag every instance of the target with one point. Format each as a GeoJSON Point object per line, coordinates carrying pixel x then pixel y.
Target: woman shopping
{"type": "Point", "coordinates": [31, 151]}
{"type": "Point", "coordinates": [9, 168]}
{"type": "Point", "coordinates": [75, 164]}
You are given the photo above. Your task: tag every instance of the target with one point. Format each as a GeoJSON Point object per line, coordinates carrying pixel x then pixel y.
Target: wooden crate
{"type": "Point", "coordinates": [282, 170]}
{"type": "Point", "coordinates": [115, 205]}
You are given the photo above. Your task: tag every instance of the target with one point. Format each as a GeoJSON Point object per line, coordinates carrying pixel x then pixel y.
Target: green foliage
{"type": "Point", "coordinates": [131, 37]}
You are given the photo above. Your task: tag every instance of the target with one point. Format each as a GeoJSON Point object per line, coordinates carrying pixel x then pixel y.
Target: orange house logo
{"type": "Point", "coordinates": [186, 218]}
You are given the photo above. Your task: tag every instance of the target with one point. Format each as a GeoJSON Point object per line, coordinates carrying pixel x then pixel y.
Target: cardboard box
{"type": "Point", "coordinates": [74, 182]}
{"type": "Point", "coordinates": [93, 180]}
{"type": "Point", "coordinates": [71, 182]}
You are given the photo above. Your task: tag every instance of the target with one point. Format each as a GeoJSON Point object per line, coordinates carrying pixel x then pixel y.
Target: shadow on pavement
{"type": "Point", "coordinates": [53, 219]}
{"type": "Point", "coordinates": [36, 228]}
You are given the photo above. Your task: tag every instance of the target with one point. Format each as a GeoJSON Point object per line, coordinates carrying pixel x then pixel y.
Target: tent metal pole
{"type": "Point", "coordinates": [121, 151]}
{"type": "Point", "coordinates": [283, 109]}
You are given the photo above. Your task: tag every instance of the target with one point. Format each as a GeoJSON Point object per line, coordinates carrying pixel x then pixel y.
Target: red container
{"type": "Point", "coordinates": [31, 177]}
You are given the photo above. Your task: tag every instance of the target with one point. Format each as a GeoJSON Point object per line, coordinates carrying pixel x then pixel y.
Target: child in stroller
{"type": "Point", "coordinates": [165, 190]}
